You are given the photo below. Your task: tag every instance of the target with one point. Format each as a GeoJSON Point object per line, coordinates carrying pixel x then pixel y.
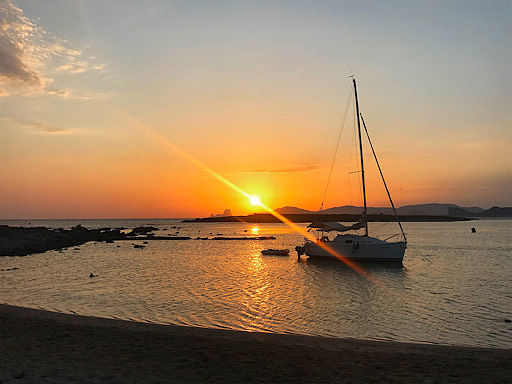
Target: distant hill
{"type": "Point", "coordinates": [344, 210]}
{"type": "Point", "coordinates": [431, 209]}
{"type": "Point", "coordinates": [474, 209]}
{"type": "Point", "coordinates": [422, 209]}
{"type": "Point", "coordinates": [491, 212]}
{"type": "Point", "coordinates": [293, 211]}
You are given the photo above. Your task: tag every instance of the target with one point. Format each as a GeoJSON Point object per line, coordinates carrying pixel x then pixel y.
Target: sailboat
{"type": "Point", "coordinates": [354, 246]}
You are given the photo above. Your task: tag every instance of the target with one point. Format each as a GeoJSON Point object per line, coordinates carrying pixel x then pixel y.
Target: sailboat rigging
{"type": "Point", "coordinates": [353, 246]}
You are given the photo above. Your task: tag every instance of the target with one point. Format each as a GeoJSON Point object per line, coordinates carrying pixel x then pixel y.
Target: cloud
{"type": "Point", "coordinates": [297, 168]}
{"type": "Point", "coordinates": [44, 128]}
{"type": "Point", "coordinates": [73, 67]}
{"type": "Point", "coordinates": [28, 53]}
{"type": "Point", "coordinates": [36, 126]}
{"type": "Point", "coordinates": [70, 95]}
{"type": "Point", "coordinates": [99, 67]}
{"type": "Point", "coordinates": [65, 94]}
{"type": "Point", "coordinates": [20, 57]}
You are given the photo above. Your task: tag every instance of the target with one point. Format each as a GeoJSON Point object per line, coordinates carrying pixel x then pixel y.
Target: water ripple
{"type": "Point", "coordinates": [462, 295]}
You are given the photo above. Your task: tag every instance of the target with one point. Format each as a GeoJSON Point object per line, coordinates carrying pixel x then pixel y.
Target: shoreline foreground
{"type": "Point", "coordinates": [42, 346]}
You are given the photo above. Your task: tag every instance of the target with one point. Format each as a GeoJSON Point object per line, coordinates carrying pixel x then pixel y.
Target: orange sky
{"type": "Point", "coordinates": [255, 93]}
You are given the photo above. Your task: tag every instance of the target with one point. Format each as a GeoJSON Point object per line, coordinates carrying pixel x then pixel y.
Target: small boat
{"type": "Point", "coordinates": [275, 252]}
{"type": "Point", "coordinates": [355, 246]}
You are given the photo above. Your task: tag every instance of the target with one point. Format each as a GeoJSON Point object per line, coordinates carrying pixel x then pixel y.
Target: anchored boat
{"type": "Point", "coordinates": [275, 252]}
{"type": "Point", "coordinates": [355, 246]}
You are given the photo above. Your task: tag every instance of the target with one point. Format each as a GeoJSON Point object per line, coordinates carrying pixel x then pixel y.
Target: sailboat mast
{"type": "Point", "coordinates": [365, 215]}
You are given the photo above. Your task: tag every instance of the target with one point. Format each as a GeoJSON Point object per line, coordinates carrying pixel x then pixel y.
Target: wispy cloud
{"type": "Point", "coordinates": [36, 126]}
{"type": "Point", "coordinates": [29, 54]}
{"type": "Point", "coordinates": [45, 128]}
{"type": "Point", "coordinates": [297, 168]}
{"type": "Point", "coordinates": [71, 95]}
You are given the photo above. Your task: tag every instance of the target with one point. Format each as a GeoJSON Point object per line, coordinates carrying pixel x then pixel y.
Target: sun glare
{"type": "Point", "coordinates": [255, 200]}
{"type": "Point", "coordinates": [255, 230]}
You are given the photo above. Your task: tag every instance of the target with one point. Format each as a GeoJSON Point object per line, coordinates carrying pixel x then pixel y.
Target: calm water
{"type": "Point", "coordinates": [455, 286]}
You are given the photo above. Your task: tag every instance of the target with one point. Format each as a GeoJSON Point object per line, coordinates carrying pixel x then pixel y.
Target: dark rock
{"type": "Point", "coordinates": [21, 241]}
{"type": "Point", "coordinates": [141, 231]}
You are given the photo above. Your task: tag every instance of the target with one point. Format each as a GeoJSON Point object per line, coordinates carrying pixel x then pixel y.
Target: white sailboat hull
{"type": "Point", "coordinates": [362, 249]}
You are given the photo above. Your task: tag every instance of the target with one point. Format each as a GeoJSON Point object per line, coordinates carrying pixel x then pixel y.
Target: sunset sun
{"type": "Point", "coordinates": [255, 200]}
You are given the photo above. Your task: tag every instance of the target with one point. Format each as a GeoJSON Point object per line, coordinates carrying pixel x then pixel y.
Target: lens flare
{"type": "Point", "coordinates": [165, 141]}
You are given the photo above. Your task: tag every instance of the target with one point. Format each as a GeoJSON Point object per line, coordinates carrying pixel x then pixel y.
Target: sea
{"type": "Point", "coordinates": [454, 287]}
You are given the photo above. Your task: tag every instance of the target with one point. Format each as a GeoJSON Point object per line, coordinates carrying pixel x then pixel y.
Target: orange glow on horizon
{"type": "Point", "coordinates": [236, 188]}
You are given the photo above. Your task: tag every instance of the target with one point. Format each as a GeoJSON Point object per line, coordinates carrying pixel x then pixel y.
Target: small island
{"type": "Point", "coordinates": [323, 217]}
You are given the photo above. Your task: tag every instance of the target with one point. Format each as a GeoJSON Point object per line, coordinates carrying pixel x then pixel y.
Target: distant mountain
{"type": "Point", "coordinates": [431, 209]}
{"type": "Point", "coordinates": [497, 212]}
{"type": "Point", "coordinates": [346, 209]}
{"type": "Point", "coordinates": [293, 211]}
{"type": "Point", "coordinates": [491, 212]}
{"type": "Point", "coordinates": [474, 209]}
{"type": "Point", "coordinates": [435, 209]}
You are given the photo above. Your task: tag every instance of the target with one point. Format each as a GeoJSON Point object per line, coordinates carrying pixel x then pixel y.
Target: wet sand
{"type": "Point", "coordinates": [38, 347]}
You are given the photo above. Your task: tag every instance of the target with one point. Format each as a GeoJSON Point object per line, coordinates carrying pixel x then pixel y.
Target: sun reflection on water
{"type": "Point", "coordinates": [256, 295]}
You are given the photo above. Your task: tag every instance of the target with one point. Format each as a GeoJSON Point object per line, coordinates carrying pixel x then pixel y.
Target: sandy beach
{"type": "Point", "coordinates": [39, 346]}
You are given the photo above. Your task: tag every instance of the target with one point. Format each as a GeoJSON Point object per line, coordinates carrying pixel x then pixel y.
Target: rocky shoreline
{"type": "Point", "coordinates": [23, 241]}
